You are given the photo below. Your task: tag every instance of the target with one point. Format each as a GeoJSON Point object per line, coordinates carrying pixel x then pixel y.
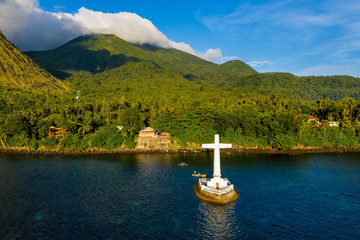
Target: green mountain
{"type": "Point", "coordinates": [309, 87]}
{"type": "Point", "coordinates": [98, 53]}
{"type": "Point", "coordinates": [18, 71]}
{"type": "Point", "coordinates": [107, 63]}
{"type": "Point", "coordinates": [122, 84]}
{"type": "Point", "coordinates": [237, 66]}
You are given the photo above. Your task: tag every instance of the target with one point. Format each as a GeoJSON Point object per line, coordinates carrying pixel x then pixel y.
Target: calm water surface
{"type": "Point", "coordinates": [147, 196]}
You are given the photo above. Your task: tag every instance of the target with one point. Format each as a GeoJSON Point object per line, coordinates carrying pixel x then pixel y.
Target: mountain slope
{"type": "Point", "coordinates": [310, 87]}
{"type": "Point", "coordinates": [100, 62]}
{"type": "Point", "coordinates": [237, 66]}
{"type": "Point", "coordinates": [18, 71]}
{"type": "Point", "coordinates": [99, 53]}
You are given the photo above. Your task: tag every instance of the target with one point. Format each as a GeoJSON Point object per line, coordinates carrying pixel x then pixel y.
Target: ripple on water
{"type": "Point", "coordinates": [149, 197]}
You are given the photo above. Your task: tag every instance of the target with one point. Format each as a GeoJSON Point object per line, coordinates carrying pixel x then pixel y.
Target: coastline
{"type": "Point", "coordinates": [94, 151]}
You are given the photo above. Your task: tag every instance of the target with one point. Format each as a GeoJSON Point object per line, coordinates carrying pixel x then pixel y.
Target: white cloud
{"type": "Point", "coordinates": [287, 14]}
{"type": "Point", "coordinates": [128, 26]}
{"type": "Point", "coordinates": [59, 8]}
{"type": "Point", "coordinates": [259, 64]}
{"type": "Point", "coordinates": [292, 21]}
{"type": "Point", "coordinates": [327, 70]}
{"type": "Point", "coordinates": [230, 58]}
{"type": "Point", "coordinates": [182, 46]}
{"type": "Point", "coordinates": [213, 55]}
{"type": "Point", "coordinates": [328, 30]}
{"type": "Point", "coordinates": [31, 28]}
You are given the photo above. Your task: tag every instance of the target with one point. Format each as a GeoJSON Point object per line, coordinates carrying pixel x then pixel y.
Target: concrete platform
{"type": "Point", "coordinates": [215, 198]}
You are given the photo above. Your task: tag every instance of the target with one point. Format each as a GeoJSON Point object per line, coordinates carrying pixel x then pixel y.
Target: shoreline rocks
{"type": "Point", "coordinates": [98, 151]}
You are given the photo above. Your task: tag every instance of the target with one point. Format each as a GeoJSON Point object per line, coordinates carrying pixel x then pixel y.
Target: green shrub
{"type": "Point", "coordinates": [129, 142]}
{"type": "Point", "coordinates": [17, 124]}
{"type": "Point", "coordinates": [99, 139]}
{"type": "Point", "coordinates": [15, 141]}
{"type": "Point", "coordinates": [33, 144]}
{"type": "Point", "coordinates": [50, 142]}
{"type": "Point", "coordinates": [74, 141]}
{"type": "Point", "coordinates": [283, 142]}
{"type": "Point", "coordinates": [114, 141]}
{"type": "Point", "coordinates": [108, 138]}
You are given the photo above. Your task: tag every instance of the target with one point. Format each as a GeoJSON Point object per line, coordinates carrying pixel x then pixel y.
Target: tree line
{"type": "Point", "coordinates": [309, 87]}
{"type": "Point", "coordinates": [191, 118]}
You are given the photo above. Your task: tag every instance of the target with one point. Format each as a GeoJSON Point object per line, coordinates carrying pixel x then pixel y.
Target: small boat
{"type": "Point", "coordinates": [195, 174]}
{"type": "Point", "coordinates": [183, 164]}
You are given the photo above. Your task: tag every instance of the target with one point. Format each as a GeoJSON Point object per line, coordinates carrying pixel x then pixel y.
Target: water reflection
{"type": "Point", "coordinates": [218, 221]}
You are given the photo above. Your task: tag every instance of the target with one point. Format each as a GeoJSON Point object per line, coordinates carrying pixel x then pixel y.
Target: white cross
{"type": "Point", "coordinates": [217, 146]}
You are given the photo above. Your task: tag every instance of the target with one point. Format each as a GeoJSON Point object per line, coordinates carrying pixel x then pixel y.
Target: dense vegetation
{"type": "Point", "coordinates": [18, 70]}
{"type": "Point", "coordinates": [95, 54]}
{"type": "Point", "coordinates": [244, 120]}
{"type": "Point", "coordinates": [311, 88]}
{"type": "Point", "coordinates": [114, 83]}
{"type": "Point", "coordinates": [107, 56]}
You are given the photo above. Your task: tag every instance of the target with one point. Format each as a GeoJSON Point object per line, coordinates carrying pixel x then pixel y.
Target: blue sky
{"type": "Point", "coordinates": [301, 37]}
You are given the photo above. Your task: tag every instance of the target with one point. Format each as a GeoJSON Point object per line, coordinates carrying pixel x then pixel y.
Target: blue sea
{"type": "Point", "coordinates": [148, 196]}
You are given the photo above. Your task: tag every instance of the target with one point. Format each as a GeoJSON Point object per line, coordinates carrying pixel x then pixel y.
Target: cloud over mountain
{"type": "Point", "coordinates": [31, 28]}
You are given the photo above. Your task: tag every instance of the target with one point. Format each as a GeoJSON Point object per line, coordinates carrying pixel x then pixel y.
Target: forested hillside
{"type": "Point", "coordinates": [19, 71]}
{"type": "Point", "coordinates": [310, 87]}
{"type": "Point", "coordinates": [191, 118]}
{"type": "Point", "coordinates": [114, 83]}
{"type": "Point", "coordinates": [107, 58]}
{"type": "Point", "coordinates": [89, 56]}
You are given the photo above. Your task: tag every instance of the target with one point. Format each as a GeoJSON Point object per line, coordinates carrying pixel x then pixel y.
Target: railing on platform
{"type": "Point", "coordinates": [223, 190]}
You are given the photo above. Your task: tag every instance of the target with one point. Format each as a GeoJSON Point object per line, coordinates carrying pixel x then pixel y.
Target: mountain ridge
{"type": "Point", "coordinates": [89, 60]}
{"type": "Point", "coordinates": [97, 53]}
{"type": "Point", "coordinates": [19, 71]}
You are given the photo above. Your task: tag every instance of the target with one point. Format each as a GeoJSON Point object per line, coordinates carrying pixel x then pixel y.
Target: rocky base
{"type": "Point", "coordinates": [214, 198]}
{"type": "Point", "coordinates": [99, 151]}
{"type": "Point", "coordinates": [74, 152]}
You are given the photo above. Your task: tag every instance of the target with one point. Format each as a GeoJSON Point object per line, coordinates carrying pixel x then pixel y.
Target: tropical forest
{"type": "Point", "coordinates": [99, 91]}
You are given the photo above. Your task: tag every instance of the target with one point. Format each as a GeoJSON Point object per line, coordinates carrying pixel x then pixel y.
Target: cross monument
{"type": "Point", "coordinates": [216, 181]}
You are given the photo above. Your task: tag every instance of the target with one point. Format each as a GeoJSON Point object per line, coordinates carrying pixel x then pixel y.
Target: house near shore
{"type": "Point", "coordinates": [333, 124]}
{"type": "Point", "coordinates": [311, 118]}
{"type": "Point", "coordinates": [319, 124]}
{"type": "Point", "coordinates": [152, 140]}
{"type": "Point", "coordinates": [55, 132]}
{"type": "Point", "coordinates": [147, 132]}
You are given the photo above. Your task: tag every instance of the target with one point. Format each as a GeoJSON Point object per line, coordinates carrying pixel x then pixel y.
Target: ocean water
{"type": "Point", "coordinates": [148, 196]}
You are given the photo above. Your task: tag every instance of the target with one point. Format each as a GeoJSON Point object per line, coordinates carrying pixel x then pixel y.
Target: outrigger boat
{"type": "Point", "coordinates": [195, 174]}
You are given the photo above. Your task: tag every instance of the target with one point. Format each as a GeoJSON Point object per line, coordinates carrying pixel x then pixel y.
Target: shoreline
{"type": "Point", "coordinates": [90, 152]}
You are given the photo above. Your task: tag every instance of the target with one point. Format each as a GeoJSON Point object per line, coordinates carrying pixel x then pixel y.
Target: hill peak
{"type": "Point", "coordinates": [101, 53]}
{"type": "Point", "coordinates": [238, 66]}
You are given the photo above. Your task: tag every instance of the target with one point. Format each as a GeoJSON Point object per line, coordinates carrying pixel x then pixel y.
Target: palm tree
{"type": "Point", "coordinates": [325, 125]}
{"type": "Point", "coordinates": [85, 123]}
{"type": "Point", "coordinates": [84, 128]}
{"type": "Point", "coordinates": [303, 125]}
{"type": "Point", "coordinates": [3, 136]}
{"type": "Point", "coordinates": [345, 123]}
{"type": "Point", "coordinates": [356, 126]}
